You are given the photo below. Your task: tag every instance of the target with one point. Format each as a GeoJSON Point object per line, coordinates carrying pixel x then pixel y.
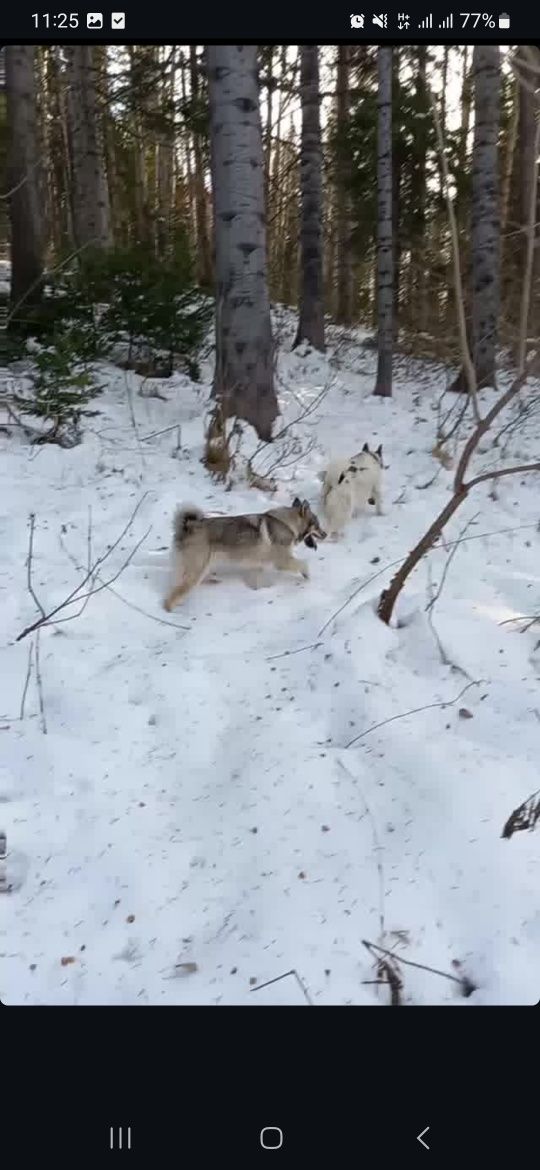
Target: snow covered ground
{"type": "Point", "coordinates": [192, 825]}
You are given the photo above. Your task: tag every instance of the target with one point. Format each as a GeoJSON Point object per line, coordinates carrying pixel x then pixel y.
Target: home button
{"type": "Point", "coordinates": [271, 1137]}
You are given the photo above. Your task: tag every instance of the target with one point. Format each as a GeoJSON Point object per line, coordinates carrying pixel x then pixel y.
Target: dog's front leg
{"type": "Point", "coordinates": [378, 502]}
{"type": "Point", "coordinates": [285, 562]}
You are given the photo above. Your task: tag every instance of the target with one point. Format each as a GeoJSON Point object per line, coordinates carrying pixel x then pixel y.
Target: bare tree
{"type": "Point", "coordinates": [385, 252]}
{"type": "Point", "coordinates": [244, 375]}
{"type": "Point", "coordinates": [462, 488]}
{"type": "Point", "coordinates": [24, 175]}
{"type": "Point", "coordinates": [89, 189]}
{"type": "Point", "coordinates": [311, 323]}
{"type": "Point", "coordinates": [485, 217]}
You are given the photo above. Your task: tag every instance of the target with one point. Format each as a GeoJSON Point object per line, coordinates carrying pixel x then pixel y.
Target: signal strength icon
{"type": "Point", "coordinates": [427, 23]}
{"type": "Point", "coordinates": [448, 23]}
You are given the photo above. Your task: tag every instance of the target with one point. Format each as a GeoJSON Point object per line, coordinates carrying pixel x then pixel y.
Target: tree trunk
{"type": "Point", "coordinates": [344, 258]}
{"type": "Point", "coordinates": [311, 323]}
{"type": "Point", "coordinates": [419, 179]}
{"type": "Point", "coordinates": [529, 113]}
{"type": "Point", "coordinates": [89, 188]}
{"type": "Point", "coordinates": [24, 176]}
{"type": "Point", "coordinates": [204, 258]}
{"type": "Point", "coordinates": [485, 218]}
{"type": "Point", "coordinates": [385, 264]}
{"type": "Point", "coordinates": [244, 375]}
{"type": "Point", "coordinates": [485, 226]}
{"type": "Point", "coordinates": [165, 166]}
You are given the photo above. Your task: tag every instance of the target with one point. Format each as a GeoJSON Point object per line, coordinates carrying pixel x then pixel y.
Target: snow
{"type": "Point", "coordinates": [193, 800]}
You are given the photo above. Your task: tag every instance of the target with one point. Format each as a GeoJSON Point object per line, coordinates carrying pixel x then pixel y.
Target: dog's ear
{"type": "Point", "coordinates": [366, 447]}
{"type": "Point", "coordinates": [306, 506]}
{"type": "Point", "coordinates": [297, 503]}
{"type": "Point", "coordinates": [379, 451]}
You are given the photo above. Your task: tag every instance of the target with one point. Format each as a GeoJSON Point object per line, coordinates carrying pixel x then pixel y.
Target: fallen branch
{"type": "Point", "coordinates": [300, 983]}
{"type": "Point", "coordinates": [413, 711]}
{"type": "Point", "coordinates": [466, 984]}
{"type": "Point", "coordinates": [526, 816]}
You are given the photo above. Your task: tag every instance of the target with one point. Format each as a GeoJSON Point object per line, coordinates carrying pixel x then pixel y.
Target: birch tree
{"type": "Point", "coordinates": [385, 251]}
{"type": "Point", "coordinates": [244, 376]}
{"type": "Point", "coordinates": [311, 323]}
{"type": "Point", "coordinates": [24, 175]}
{"type": "Point", "coordinates": [89, 189]}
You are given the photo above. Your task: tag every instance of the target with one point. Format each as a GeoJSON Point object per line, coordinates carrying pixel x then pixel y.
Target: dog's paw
{"type": "Point", "coordinates": [303, 569]}
{"type": "Point", "coordinates": [167, 605]}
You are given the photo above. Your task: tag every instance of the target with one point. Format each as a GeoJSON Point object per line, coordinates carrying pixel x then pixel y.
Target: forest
{"type": "Point", "coordinates": [222, 268]}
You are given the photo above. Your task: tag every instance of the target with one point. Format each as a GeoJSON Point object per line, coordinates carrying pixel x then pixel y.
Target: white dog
{"type": "Point", "coordinates": [349, 484]}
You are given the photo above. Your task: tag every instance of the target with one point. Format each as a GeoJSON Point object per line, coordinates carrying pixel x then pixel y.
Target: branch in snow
{"type": "Point", "coordinates": [526, 816]}
{"type": "Point", "coordinates": [466, 984]}
{"type": "Point", "coordinates": [414, 711]}
{"type": "Point", "coordinates": [286, 975]}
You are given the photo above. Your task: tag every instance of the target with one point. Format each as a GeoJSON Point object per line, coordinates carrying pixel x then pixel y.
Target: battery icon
{"type": "Point", "coordinates": [504, 20]}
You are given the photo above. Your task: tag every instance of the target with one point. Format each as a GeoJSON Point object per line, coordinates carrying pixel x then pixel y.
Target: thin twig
{"type": "Point", "coordinates": [356, 592]}
{"type": "Point", "coordinates": [456, 544]}
{"type": "Point", "coordinates": [304, 990]}
{"type": "Point", "coordinates": [124, 600]}
{"type": "Point", "coordinates": [27, 679]}
{"type": "Point", "coordinates": [531, 621]}
{"type": "Point", "coordinates": [29, 566]}
{"type": "Point", "coordinates": [144, 612]}
{"type": "Point", "coordinates": [163, 431]}
{"type": "Point", "coordinates": [75, 595]}
{"type": "Point", "coordinates": [40, 687]}
{"type": "Point", "coordinates": [413, 711]}
{"type": "Point", "coordinates": [299, 650]}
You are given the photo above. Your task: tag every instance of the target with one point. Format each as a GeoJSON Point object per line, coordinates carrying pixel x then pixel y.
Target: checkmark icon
{"type": "Point", "coordinates": [118, 20]}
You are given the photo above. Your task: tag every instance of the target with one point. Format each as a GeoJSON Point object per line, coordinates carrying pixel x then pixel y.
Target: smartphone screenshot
{"type": "Point", "coordinates": [270, 622]}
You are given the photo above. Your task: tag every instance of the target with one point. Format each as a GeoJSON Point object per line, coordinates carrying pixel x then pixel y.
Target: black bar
{"type": "Point", "coordinates": [263, 24]}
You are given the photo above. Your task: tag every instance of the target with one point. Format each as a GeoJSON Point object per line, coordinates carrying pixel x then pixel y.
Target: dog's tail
{"type": "Point", "coordinates": [185, 522]}
{"type": "Point", "coordinates": [333, 473]}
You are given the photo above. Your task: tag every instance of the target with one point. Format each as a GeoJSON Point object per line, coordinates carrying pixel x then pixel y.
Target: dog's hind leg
{"type": "Point", "coordinates": [195, 571]}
